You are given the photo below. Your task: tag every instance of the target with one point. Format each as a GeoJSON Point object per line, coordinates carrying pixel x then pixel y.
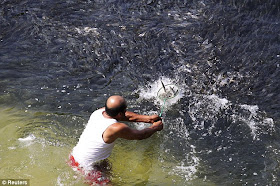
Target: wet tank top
{"type": "Point", "coordinates": [91, 146]}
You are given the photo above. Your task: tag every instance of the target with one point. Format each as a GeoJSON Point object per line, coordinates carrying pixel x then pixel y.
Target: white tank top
{"type": "Point", "coordinates": [91, 146]}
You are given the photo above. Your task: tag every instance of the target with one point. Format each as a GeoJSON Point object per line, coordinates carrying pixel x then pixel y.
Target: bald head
{"type": "Point", "coordinates": [115, 105]}
{"type": "Point", "coordinates": [115, 101]}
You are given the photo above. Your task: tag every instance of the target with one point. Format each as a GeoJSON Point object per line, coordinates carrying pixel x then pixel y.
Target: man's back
{"type": "Point", "coordinates": [91, 146]}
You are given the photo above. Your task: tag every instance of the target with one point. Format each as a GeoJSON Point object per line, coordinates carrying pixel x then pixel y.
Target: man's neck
{"type": "Point", "coordinates": [104, 113]}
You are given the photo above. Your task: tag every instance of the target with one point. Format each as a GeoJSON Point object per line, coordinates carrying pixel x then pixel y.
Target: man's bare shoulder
{"type": "Point", "coordinates": [115, 131]}
{"type": "Point", "coordinates": [118, 126]}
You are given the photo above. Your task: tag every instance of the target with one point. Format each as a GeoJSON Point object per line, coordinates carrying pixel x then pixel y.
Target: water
{"type": "Point", "coordinates": [60, 60]}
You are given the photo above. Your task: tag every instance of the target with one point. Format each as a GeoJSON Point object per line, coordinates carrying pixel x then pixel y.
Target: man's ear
{"type": "Point", "coordinates": [120, 116]}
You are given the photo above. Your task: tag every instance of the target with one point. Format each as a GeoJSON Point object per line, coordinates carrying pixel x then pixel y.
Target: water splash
{"type": "Point", "coordinates": [28, 140]}
{"type": "Point", "coordinates": [205, 108]}
{"type": "Point", "coordinates": [256, 122]}
{"type": "Point", "coordinates": [150, 91]}
{"type": "Point", "coordinates": [189, 171]}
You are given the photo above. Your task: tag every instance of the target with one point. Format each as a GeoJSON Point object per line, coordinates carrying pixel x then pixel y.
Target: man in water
{"type": "Point", "coordinates": [103, 129]}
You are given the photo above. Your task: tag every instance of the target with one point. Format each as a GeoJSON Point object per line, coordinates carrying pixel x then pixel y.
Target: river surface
{"type": "Point", "coordinates": [60, 60]}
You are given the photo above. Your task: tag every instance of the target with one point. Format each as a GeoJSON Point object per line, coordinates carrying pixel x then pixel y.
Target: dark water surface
{"type": "Point", "coordinates": [60, 60]}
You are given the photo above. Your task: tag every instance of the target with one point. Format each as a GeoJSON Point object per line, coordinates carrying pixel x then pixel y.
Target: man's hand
{"type": "Point", "coordinates": [133, 117]}
{"type": "Point", "coordinates": [158, 125]}
{"type": "Point", "coordinates": [154, 118]}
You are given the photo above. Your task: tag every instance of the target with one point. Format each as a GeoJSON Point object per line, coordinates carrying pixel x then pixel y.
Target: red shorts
{"type": "Point", "coordinates": [92, 177]}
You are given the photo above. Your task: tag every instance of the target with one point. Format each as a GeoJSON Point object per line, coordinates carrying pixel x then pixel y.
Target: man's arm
{"type": "Point", "coordinates": [133, 117]}
{"type": "Point", "coordinates": [121, 130]}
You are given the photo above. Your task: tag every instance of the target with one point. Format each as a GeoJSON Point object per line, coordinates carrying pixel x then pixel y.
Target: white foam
{"type": "Point", "coordinates": [150, 92]}
{"type": "Point", "coordinates": [252, 108]}
{"type": "Point", "coordinates": [212, 105]}
{"type": "Point", "coordinates": [269, 121]}
{"type": "Point", "coordinates": [220, 103]}
{"type": "Point", "coordinates": [255, 121]}
{"type": "Point", "coordinates": [29, 138]}
{"type": "Point", "coordinates": [27, 141]}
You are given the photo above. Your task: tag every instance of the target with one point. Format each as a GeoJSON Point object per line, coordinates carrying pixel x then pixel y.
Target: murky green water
{"type": "Point", "coordinates": [36, 148]}
{"type": "Point", "coordinates": [26, 154]}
